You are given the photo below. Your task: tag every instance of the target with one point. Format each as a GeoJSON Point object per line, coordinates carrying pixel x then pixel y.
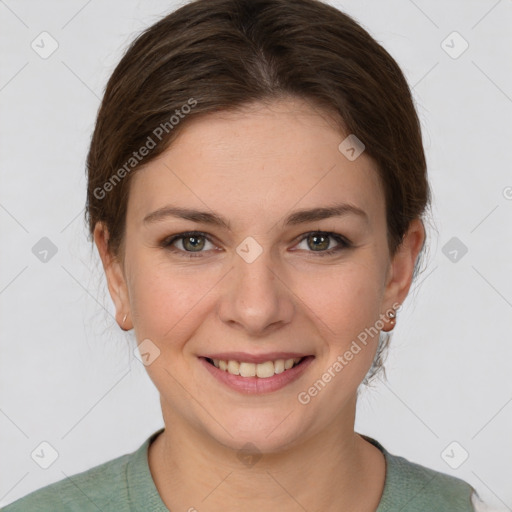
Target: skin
{"type": "Point", "coordinates": [254, 167]}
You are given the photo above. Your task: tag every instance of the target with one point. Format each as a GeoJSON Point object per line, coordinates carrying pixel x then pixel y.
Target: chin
{"type": "Point", "coordinates": [254, 430]}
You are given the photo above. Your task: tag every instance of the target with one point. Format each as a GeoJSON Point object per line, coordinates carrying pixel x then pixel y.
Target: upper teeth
{"type": "Point", "coordinates": [263, 370]}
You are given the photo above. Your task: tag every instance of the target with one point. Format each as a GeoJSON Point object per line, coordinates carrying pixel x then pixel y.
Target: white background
{"type": "Point", "coordinates": [67, 372]}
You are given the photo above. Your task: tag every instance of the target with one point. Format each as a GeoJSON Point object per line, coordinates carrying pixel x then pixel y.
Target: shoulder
{"type": "Point", "coordinates": [420, 486]}
{"type": "Point", "coordinates": [412, 487]}
{"type": "Point", "coordinates": [92, 490]}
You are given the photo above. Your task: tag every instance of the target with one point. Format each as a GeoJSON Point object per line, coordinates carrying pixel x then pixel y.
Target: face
{"type": "Point", "coordinates": [252, 280]}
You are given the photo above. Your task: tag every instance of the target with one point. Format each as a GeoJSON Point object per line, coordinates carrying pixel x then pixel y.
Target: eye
{"type": "Point", "coordinates": [319, 242]}
{"type": "Point", "coordinates": [190, 242]}
{"type": "Point", "coordinates": [194, 243]}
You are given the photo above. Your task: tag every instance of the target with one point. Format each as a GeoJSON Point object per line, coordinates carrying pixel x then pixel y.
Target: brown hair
{"type": "Point", "coordinates": [212, 55]}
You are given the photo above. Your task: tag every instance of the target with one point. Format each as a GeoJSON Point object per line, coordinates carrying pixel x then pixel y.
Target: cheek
{"type": "Point", "coordinates": [345, 306]}
{"type": "Point", "coordinates": [345, 299]}
{"type": "Point", "coordinates": [167, 300]}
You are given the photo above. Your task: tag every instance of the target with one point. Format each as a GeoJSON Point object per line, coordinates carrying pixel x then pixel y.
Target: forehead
{"type": "Point", "coordinates": [263, 160]}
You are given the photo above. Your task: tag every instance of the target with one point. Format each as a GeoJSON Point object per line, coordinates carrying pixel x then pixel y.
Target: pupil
{"type": "Point", "coordinates": [322, 246]}
{"type": "Point", "coordinates": [195, 243]}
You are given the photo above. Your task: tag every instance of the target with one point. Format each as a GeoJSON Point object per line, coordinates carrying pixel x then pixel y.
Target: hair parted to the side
{"type": "Point", "coordinates": [212, 55]}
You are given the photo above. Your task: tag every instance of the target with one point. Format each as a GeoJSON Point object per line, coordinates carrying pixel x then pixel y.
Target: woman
{"type": "Point", "coordinates": [257, 184]}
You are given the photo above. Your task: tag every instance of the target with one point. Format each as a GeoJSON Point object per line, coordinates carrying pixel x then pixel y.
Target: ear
{"type": "Point", "coordinates": [401, 268]}
{"type": "Point", "coordinates": [115, 276]}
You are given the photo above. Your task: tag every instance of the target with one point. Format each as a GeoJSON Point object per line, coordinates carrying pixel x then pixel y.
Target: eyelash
{"type": "Point", "coordinates": [344, 243]}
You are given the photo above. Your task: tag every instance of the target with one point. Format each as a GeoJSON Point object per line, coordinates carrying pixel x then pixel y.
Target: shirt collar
{"type": "Point", "coordinates": [142, 492]}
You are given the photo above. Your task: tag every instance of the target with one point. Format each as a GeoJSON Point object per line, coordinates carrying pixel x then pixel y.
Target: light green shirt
{"type": "Point", "coordinates": [125, 484]}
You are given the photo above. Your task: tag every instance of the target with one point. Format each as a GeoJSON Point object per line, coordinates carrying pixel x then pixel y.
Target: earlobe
{"type": "Point", "coordinates": [114, 274]}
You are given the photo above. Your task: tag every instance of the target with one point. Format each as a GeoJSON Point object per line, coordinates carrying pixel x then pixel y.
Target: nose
{"type": "Point", "coordinates": [257, 298]}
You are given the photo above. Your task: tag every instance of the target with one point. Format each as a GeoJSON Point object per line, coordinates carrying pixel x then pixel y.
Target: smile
{"type": "Point", "coordinates": [261, 370]}
{"type": "Point", "coordinates": [252, 377]}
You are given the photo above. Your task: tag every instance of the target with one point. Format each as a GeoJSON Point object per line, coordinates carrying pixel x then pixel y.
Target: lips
{"type": "Point", "coordinates": [255, 365]}
{"type": "Point", "coordinates": [266, 381]}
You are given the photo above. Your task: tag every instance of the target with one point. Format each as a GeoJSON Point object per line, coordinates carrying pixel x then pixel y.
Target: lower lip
{"type": "Point", "coordinates": [258, 385]}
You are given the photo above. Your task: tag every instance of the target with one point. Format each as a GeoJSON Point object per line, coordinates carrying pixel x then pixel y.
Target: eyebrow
{"type": "Point", "coordinates": [297, 217]}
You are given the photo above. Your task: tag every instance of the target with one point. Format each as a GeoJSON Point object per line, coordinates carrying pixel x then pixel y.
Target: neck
{"type": "Point", "coordinates": [332, 470]}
